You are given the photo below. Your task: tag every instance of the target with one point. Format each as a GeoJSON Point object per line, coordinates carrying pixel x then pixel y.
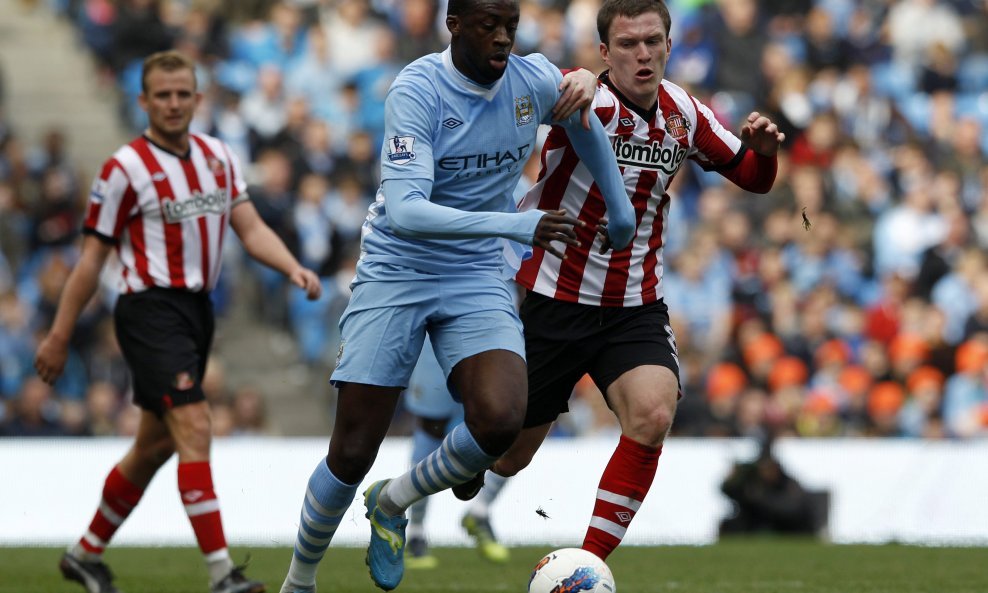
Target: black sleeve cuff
{"type": "Point", "coordinates": [100, 236]}
{"type": "Point", "coordinates": [730, 164]}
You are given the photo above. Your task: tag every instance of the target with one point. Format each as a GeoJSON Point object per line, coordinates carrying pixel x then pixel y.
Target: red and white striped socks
{"type": "Point", "coordinates": [623, 487]}
{"type": "Point", "coordinates": [119, 499]}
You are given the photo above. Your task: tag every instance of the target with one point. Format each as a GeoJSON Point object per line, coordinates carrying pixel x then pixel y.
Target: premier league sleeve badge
{"type": "Point", "coordinates": [400, 149]}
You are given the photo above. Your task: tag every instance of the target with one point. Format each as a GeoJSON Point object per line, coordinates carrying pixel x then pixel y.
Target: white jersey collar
{"type": "Point", "coordinates": [465, 83]}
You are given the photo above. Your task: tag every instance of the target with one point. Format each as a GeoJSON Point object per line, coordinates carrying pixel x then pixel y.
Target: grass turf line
{"type": "Point", "coordinates": [763, 565]}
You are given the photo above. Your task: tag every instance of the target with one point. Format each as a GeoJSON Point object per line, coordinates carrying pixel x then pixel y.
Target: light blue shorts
{"type": "Point", "coordinates": [392, 307]}
{"type": "Point", "coordinates": [427, 394]}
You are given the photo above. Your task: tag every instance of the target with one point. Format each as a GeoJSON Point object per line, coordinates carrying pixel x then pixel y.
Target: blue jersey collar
{"type": "Point", "coordinates": [487, 93]}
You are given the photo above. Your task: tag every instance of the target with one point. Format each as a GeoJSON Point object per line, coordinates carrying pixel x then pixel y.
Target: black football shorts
{"type": "Point", "coordinates": [165, 336]}
{"type": "Point", "coordinates": [564, 341]}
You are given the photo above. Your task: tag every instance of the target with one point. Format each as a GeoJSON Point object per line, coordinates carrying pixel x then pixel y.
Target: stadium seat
{"type": "Point", "coordinates": [129, 81]}
{"type": "Point", "coordinates": [895, 80]}
{"type": "Point", "coordinates": [238, 76]}
{"type": "Point", "coordinates": [916, 109]}
{"type": "Point", "coordinates": [972, 105]}
{"type": "Point", "coordinates": [972, 73]}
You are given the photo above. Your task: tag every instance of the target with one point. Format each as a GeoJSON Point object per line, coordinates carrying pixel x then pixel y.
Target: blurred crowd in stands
{"type": "Point", "coordinates": [852, 300]}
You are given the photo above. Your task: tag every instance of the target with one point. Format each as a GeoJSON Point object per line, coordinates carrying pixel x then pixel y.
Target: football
{"type": "Point", "coordinates": [571, 570]}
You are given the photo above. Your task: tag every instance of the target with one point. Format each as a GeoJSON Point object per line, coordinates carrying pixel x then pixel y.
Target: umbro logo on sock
{"type": "Point", "coordinates": [192, 495]}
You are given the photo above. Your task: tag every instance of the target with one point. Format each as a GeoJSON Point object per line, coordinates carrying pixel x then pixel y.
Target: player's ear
{"type": "Point", "coordinates": [453, 24]}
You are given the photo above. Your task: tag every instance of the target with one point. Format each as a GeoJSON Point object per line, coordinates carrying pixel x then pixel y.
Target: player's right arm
{"type": "Point", "coordinates": [111, 199]}
{"type": "Point", "coordinates": [79, 288]}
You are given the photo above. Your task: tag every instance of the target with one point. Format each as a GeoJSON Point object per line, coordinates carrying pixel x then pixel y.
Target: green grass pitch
{"type": "Point", "coordinates": [763, 565]}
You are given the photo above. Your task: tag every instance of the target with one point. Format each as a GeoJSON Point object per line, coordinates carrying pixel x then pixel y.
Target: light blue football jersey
{"type": "Point", "coordinates": [470, 141]}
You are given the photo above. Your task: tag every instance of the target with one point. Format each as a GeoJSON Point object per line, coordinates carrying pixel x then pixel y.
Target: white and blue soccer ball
{"type": "Point", "coordinates": [571, 570]}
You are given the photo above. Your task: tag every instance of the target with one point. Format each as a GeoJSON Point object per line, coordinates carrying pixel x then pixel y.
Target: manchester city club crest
{"type": "Point", "coordinates": [524, 112]}
{"type": "Point", "coordinates": [400, 149]}
{"type": "Point", "coordinates": [677, 126]}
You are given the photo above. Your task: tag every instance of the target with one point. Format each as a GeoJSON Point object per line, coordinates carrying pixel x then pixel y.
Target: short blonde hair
{"type": "Point", "coordinates": [169, 61]}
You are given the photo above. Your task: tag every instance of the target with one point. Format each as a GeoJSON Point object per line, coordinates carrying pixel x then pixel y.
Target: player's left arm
{"type": "Point", "coordinates": [594, 149]}
{"type": "Point", "coordinates": [265, 246]}
{"type": "Point", "coordinates": [592, 146]}
{"type": "Point", "coordinates": [756, 170]}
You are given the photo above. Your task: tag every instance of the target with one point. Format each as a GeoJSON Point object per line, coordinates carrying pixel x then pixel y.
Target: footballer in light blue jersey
{"type": "Point", "coordinates": [471, 142]}
{"type": "Point", "coordinates": [453, 153]}
{"type": "Point", "coordinates": [459, 127]}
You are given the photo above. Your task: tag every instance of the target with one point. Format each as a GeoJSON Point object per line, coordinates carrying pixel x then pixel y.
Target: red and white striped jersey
{"type": "Point", "coordinates": [167, 214]}
{"type": "Point", "coordinates": [650, 154]}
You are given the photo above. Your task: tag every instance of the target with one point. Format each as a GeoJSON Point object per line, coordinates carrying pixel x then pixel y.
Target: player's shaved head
{"type": "Point", "coordinates": [482, 33]}
{"type": "Point", "coordinates": [461, 7]}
